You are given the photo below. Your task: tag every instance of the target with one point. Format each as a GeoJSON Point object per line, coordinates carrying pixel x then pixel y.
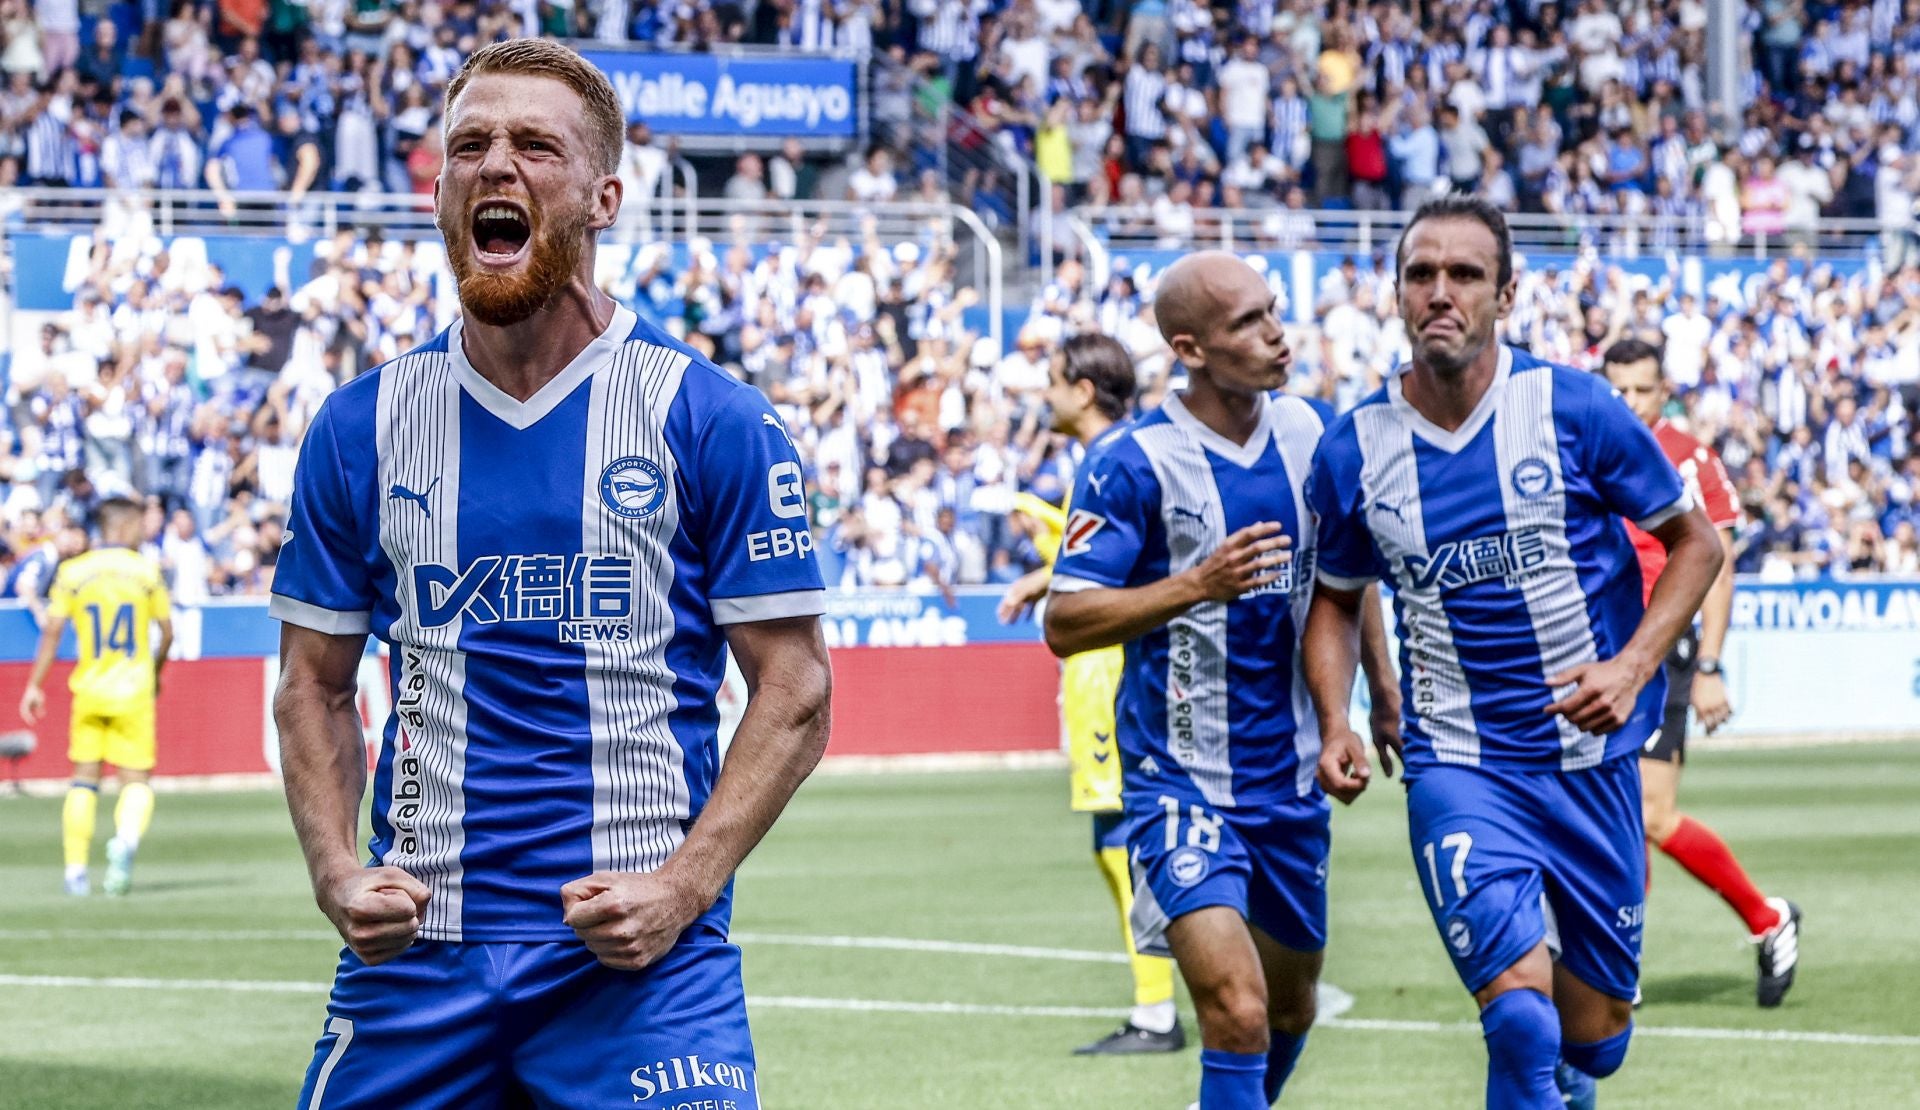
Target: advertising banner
{"type": "Point", "coordinates": [719, 94]}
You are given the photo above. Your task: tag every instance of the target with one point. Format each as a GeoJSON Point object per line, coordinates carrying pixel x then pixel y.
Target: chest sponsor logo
{"type": "Point", "coordinates": [633, 487]}
{"type": "Point", "coordinates": [1508, 556]}
{"type": "Point", "coordinates": [589, 597]}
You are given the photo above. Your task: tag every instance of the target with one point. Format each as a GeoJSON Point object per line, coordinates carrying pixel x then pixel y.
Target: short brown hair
{"type": "Point", "coordinates": [1459, 207]}
{"type": "Point", "coordinates": [541, 58]}
{"type": "Point", "coordinates": [1104, 362]}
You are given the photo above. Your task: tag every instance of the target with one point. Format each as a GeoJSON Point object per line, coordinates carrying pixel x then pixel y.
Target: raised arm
{"type": "Point", "coordinates": [1085, 619]}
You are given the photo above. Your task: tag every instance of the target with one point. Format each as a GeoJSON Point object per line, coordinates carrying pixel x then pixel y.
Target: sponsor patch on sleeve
{"type": "Point", "coordinates": [1077, 537]}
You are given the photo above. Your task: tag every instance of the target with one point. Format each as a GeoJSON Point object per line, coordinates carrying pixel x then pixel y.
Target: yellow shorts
{"type": "Point", "coordinates": [117, 734]}
{"type": "Point", "coordinates": [1089, 682]}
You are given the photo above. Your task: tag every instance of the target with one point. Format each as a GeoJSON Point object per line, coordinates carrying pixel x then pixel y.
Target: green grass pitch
{"type": "Point", "coordinates": [226, 958]}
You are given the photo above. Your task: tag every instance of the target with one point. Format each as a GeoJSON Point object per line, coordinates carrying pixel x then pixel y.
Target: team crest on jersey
{"type": "Point", "coordinates": [1077, 537]}
{"type": "Point", "coordinates": [1532, 479]}
{"type": "Point", "coordinates": [1187, 866]}
{"type": "Point", "coordinates": [1459, 936]}
{"type": "Point", "coordinates": [633, 487]}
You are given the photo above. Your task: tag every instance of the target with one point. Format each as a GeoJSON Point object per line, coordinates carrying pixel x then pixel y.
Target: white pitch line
{"type": "Point", "coordinates": [122, 982]}
{"type": "Point", "coordinates": [909, 944]}
{"type": "Point", "coordinates": [186, 935]}
{"type": "Point", "coordinates": [887, 1006]}
{"type": "Point", "coordinates": [801, 940]}
{"type": "Point", "coordinates": [881, 1006]}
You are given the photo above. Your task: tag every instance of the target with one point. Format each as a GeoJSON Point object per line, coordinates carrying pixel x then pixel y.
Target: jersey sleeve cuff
{"type": "Point", "coordinates": [769, 607]}
{"type": "Point", "coordinates": [1656, 520]}
{"type": "Point", "coordinates": [1341, 582]}
{"type": "Point", "coordinates": [1071, 584]}
{"type": "Point", "coordinates": [332, 622]}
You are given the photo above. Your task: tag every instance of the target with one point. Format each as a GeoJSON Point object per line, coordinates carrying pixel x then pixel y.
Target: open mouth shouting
{"type": "Point", "coordinates": [502, 231]}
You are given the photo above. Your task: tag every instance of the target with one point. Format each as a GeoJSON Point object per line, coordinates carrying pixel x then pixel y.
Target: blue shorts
{"type": "Point", "coordinates": [1510, 858]}
{"type": "Point", "coordinates": [1267, 861]}
{"type": "Point", "coordinates": [510, 1025]}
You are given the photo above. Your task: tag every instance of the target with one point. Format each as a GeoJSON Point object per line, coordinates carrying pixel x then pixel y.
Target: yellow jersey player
{"type": "Point", "coordinates": [113, 596]}
{"type": "Point", "coordinates": [1090, 387]}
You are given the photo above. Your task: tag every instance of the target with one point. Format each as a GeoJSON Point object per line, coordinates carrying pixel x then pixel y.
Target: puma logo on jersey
{"type": "Point", "coordinates": [1194, 514]}
{"type": "Point", "coordinates": [402, 493]}
{"type": "Point", "coordinates": [1390, 509]}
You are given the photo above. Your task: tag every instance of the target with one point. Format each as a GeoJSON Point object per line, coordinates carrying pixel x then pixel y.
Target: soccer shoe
{"type": "Point", "coordinates": [119, 868]}
{"type": "Point", "coordinates": [1779, 954]}
{"type": "Point", "coordinates": [77, 885]}
{"type": "Point", "coordinates": [1131, 1040]}
{"type": "Point", "coordinates": [1578, 1090]}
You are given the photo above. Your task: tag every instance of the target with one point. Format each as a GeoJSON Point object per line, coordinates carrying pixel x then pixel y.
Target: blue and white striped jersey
{"type": "Point", "coordinates": [553, 577]}
{"type": "Point", "coordinates": [1213, 705]}
{"type": "Point", "coordinates": [1503, 543]}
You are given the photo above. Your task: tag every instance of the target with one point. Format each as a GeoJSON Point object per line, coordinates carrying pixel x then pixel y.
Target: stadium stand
{"type": "Point", "coordinates": [1285, 128]}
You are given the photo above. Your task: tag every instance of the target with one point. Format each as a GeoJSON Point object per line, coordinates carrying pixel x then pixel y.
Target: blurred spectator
{"type": "Point", "coordinates": [918, 433]}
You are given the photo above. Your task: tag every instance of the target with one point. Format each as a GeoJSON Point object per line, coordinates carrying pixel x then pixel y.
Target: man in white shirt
{"type": "Point", "coordinates": [1808, 187]}
{"type": "Point", "coordinates": [1597, 34]}
{"type": "Point", "coordinates": [1244, 87]}
{"type": "Point", "coordinates": [1687, 334]}
{"type": "Point", "coordinates": [1025, 52]}
{"type": "Point", "coordinates": [1893, 194]}
{"type": "Point", "coordinates": [874, 180]}
{"type": "Point", "coordinates": [184, 558]}
{"type": "Point", "coordinates": [1024, 373]}
{"type": "Point", "coordinates": [1173, 216]}
{"type": "Point", "coordinates": [641, 164]}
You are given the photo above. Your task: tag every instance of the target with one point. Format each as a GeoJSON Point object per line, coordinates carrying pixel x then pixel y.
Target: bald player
{"type": "Point", "coordinates": [1190, 543]}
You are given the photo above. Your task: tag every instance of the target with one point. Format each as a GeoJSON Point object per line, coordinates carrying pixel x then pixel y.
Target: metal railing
{"type": "Point", "coordinates": [1123, 228]}
{"type": "Point", "coordinates": [978, 260]}
{"type": "Point", "coordinates": [277, 215]}
{"type": "Point", "coordinates": [687, 219]}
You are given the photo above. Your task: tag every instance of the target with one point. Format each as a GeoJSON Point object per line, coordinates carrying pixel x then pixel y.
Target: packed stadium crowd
{"type": "Point", "coordinates": [163, 380]}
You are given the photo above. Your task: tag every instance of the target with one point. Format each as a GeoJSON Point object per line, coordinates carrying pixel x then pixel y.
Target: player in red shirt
{"type": "Point", "coordinates": [1694, 680]}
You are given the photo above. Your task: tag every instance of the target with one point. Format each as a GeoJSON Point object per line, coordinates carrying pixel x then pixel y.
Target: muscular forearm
{"type": "Point", "coordinates": [323, 761]}
{"type": "Point", "coordinates": [1717, 610]}
{"type": "Point", "coordinates": [1087, 619]}
{"type": "Point", "coordinates": [1331, 646]}
{"type": "Point", "coordinates": [779, 742]}
{"type": "Point", "coordinates": [1376, 658]}
{"type": "Point", "coordinates": [1693, 562]}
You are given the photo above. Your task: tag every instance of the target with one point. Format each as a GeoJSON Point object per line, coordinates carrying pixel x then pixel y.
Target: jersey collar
{"type": "Point", "coordinates": [1243, 455]}
{"type": "Point", "coordinates": [522, 415]}
{"type": "Point", "coordinates": [1452, 442]}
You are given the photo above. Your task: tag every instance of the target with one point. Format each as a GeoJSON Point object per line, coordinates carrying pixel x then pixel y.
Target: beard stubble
{"type": "Point", "coordinates": [504, 299]}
